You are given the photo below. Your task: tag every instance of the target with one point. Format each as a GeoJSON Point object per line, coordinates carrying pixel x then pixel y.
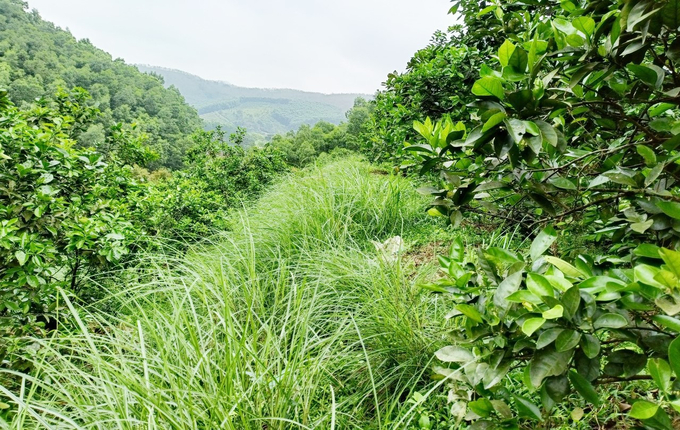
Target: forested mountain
{"type": "Point", "coordinates": [261, 111]}
{"type": "Point", "coordinates": [37, 58]}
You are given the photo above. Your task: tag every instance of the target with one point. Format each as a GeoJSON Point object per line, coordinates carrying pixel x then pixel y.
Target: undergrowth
{"type": "Point", "coordinates": [291, 319]}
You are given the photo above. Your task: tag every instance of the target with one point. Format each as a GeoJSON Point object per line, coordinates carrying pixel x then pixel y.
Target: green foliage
{"type": "Point", "coordinates": [561, 328]}
{"type": "Point", "coordinates": [37, 58]}
{"type": "Point", "coordinates": [62, 210]}
{"type": "Point", "coordinates": [68, 212]}
{"type": "Point", "coordinates": [575, 121]}
{"type": "Point", "coordinates": [218, 175]}
{"type": "Point", "coordinates": [575, 124]}
{"type": "Point", "coordinates": [436, 84]}
{"type": "Point", "coordinates": [304, 146]}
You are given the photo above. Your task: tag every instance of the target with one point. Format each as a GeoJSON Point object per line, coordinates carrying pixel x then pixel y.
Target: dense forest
{"type": "Point", "coordinates": [491, 242]}
{"type": "Point", "coordinates": [39, 58]}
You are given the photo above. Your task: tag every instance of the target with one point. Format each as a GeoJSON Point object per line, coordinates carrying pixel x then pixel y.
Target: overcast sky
{"type": "Point", "coordinates": [315, 45]}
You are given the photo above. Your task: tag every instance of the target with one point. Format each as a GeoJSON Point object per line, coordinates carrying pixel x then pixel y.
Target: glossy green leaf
{"type": "Point", "coordinates": [526, 409]}
{"type": "Point", "coordinates": [584, 24]}
{"type": "Point", "coordinates": [470, 312]}
{"type": "Point", "coordinates": [531, 325]}
{"type": "Point", "coordinates": [590, 345]}
{"type": "Point", "coordinates": [649, 74]}
{"type": "Point", "coordinates": [668, 322]}
{"type": "Point", "coordinates": [494, 121]}
{"type": "Point", "coordinates": [482, 407]}
{"type": "Point", "coordinates": [567, 340]}
{"type": "Point", "coordinates": [547, 363]}
{"type": "Point", "coordinates": [564, 267]}
{"type": "Point", "coordinates": [553, 313]}
{"type": "Point", "coordinates": [519, 60]}
{"type": "Point", "coordinates": [647, 154]}
{"type": "Point", "coordinates": [643, 410]}
{"type": "Point", "coordinates": [660, 372]}
{"type": "Point", "coordinates": [539, 285]}
{"type": "Point", "coordinates": [547, 337]}
{"type": "Point", "coordinates": [489, 86]}
{"type": "Point", "coordinates": [672, 260]}
{"type": "Point", "coordinates": [610, 321]}
{"type": "Point", "coordinates": [505, 52]}
{"type": "Point", "coordinates": [672, 209]}
{"type": "Point", "coordinates": [21, 257]}
{"type": "Point", "coordinates": [562, 183]}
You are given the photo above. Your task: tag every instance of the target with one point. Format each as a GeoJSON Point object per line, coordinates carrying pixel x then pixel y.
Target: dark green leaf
{"type": "Point", "coordinates": [671, 14]}
{"type": "Point", "coordinates": [584, 388]}
{"type": "Point", "coordinates": [557, 387]}
{"type": "Point", "coordinates": [547, 363]}
{"type": "Point", "coordinates": [590, 345]}
{"type": "Point", "coordinates": [610, 321]}
{"type": "Point", "coordinates": [482, 407]}
{"type": "Point", "coordinates": [547, 337]}
{"type": "Point", "coordinates": [567, 340]}
{"type": "Point", "coordinates": [470, 312]}
{"type": "Point", "coordinates": [526, 409]}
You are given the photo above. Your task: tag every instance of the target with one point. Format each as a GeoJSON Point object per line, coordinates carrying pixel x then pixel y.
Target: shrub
{"type": "Point", "coordinates": [560, 328]}
{"type": "Point", "coordinates": [575, 122]}
{"type": "Point", "coordinates": [62, 212]}
{"type": "Point", "coordinates": [219, 175]}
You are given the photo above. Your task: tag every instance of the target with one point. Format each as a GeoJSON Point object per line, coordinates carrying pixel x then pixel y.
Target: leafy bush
{"type": "Point", "coordinates": [575, 124]}
{"type": "Point", "coordinates": [302, 147]}
{"type": "Point", "coordinates": [576, 121]}
{"type": "Point", "coordinates": [560, 328]}
{"type": "Point", "coordinates": [62, 211]}
{"type": "Point", "coordinates": [436, 84]}
{"type": "Point", "coordinates": [219, 175]}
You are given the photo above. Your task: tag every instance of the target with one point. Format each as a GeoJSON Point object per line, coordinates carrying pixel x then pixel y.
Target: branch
{"type": "Point", "coordinates": [614, 380]}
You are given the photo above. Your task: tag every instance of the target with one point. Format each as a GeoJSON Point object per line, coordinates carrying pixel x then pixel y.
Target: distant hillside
{"type": "Point", "coordinates": [264, 112]}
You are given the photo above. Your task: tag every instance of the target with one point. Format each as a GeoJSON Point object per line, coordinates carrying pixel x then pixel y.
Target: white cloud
{"type": "Point", "coordinates": [315, 45]}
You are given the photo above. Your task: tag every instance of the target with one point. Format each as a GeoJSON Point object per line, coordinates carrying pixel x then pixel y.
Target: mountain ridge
{"type": "Point", "coordinates": [264, 112]}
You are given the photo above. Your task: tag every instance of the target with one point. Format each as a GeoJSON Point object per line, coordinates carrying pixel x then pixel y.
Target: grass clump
{"type": "Point", "coordinates": [289, 320]}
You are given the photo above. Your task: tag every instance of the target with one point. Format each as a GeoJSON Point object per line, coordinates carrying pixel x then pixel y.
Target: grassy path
{"type": "Point", "coordinates": [290, 320]}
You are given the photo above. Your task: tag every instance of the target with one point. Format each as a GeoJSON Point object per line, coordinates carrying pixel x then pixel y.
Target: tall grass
{"type": "Point", "coordinates": [289, 320]}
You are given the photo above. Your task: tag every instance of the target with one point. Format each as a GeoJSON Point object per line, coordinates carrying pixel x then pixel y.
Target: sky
{"type": "Point", "coordinates": [328, 46]}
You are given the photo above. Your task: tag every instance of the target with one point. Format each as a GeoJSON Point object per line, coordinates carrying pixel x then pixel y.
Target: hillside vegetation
{"type": "Point", "coordinates": [492, 243]}
{"type": "Point", "coordinates": [263, 112]}
{"type": "Point", "coordinates": [38, 58]}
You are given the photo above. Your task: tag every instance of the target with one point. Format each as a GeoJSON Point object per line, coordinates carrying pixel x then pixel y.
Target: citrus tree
{"type": "Point", "coordinates": [575, 125]}
{"type": "Point", "coordinates": [63, 210]}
